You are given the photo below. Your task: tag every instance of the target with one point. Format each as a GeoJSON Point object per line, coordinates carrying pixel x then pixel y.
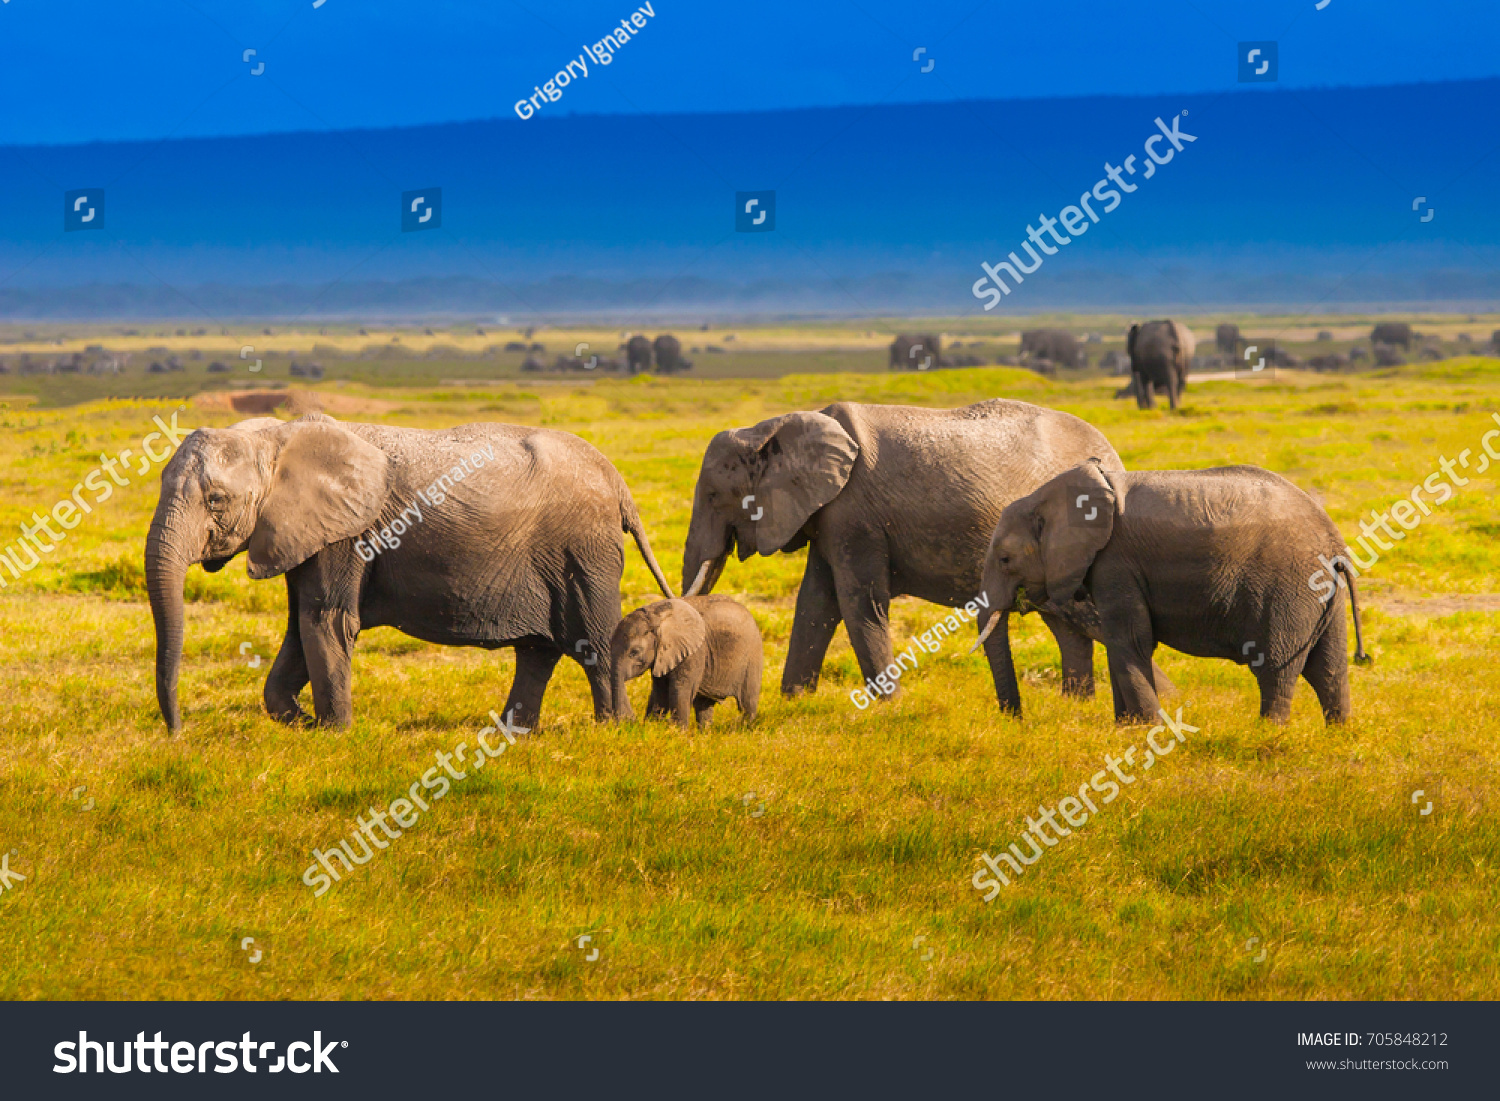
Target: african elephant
{"type": "Point", "coordinates": [1392, 332]}
{"type": "Point", "coordinates": [485, 535]}
{"type": "Point", "coordinates": [1220, 563]}
{"type": "Point", "coordinates": [638, 354]}
{"type": "Point", "coordinates": [701, 650]}
{"type": "Point", "coordinates": [668, 351]}
{"type": "Point", "coordinates": [1061, 347]}
{"type": "Point", "coordinates": [1227, 338]}
{"type": "Point", "coordinates": [889, 500]}
{"type": "Point", "coordinates": [916, 353]}
{"type": "Point", "coordinates": [1160, 353]}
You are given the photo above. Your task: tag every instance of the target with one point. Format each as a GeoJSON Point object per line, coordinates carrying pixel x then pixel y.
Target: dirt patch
{"type": "Point", "coordinates": [293, 403]}
{"type": "Point", "coordinates": [1446, 604]}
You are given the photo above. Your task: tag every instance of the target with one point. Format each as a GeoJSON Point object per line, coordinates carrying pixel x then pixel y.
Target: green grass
{"type": "Point", "coordinates": [649, 841]}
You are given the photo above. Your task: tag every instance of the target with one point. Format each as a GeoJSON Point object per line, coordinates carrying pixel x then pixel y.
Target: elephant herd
{"type": "Point", "coordinates": [496, 535]}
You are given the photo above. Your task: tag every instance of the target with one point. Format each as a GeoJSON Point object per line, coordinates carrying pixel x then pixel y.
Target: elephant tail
{"type": "Point", "coordinates": [1360, 657]}
{"type": "Point", "coordinates": [630, 521]}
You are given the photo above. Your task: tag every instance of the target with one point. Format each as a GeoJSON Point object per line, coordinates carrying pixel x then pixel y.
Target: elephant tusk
{"type": "Point", "coordinates": [988, 627]}
{"type": "Point", "coordinates": [698, 581]}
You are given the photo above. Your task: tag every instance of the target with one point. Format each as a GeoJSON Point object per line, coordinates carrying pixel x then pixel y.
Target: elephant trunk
{"type": "Point", "coordinates": [705, 552]}
{"type": "Point", "coordinates": [167, 560]}
{"type": "Point", "coordinates": [619, 700]}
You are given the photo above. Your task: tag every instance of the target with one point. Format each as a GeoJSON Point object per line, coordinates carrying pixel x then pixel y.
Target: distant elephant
{"type": "Point", "coordinates": [1219, 563]}
{"type": "Point", "coordinates": [486, 535]}
{"type": "Point", "coordinates": [638, 354]}
{"type": "Point", "coordinates": [916, 353]}
{"type": "Point", "coordinates": [1227, 338]}
{"type": "Point", "coordinates": [701, 650]}
{"type": "Point", "coordinates": [669, 359]}
{"type": "Point", "coordinates": [1392, 332]}
{"type": "Point", "coordinates": [889, 500]}
{"type": "Point", "coordinates": [1061, 347]}
{"type": "Point", "coordinates": [1160, 353]}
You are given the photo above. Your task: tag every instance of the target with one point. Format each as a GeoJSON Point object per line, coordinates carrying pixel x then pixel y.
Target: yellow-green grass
{"type": "Point", "coordinates": [654, 842]}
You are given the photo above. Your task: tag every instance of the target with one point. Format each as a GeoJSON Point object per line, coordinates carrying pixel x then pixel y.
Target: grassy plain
{"type": "Point", "coordinates": [825, 852]}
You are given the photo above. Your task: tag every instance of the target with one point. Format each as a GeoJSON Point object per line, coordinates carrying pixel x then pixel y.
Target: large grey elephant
{"type": "Point", "coordinates": [889, 500]}
{"type": "Point", "coordinates": [1057, 345]}
{"type": "Point", "coordinates": [1227, 338]}
{"type": "Point", "coordinates": [1219, 563]}
{"type": "Point", "coordinates": [918, 352]}
{"type": "Point", "coordinates": [485, 535]}
{"type": "Point", "coordinates": [638, 354]}
{"type": "Point", "coordinates": [1392, 332]}
{"type": "Point", "coordinates": [669, 358]}
{"type": "Point", "coordinates": [1160, 354]}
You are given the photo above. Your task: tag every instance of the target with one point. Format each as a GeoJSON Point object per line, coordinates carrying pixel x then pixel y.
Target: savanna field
{"type": "Point", "coordinates": [825, 852]}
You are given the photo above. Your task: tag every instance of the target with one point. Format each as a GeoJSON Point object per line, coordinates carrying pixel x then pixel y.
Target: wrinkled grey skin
{"type": "Point", "coordinates": [1160, 353]}
{"type": "Point", "coordinates": [525, 551]}
{"type": "Point", "coordinates": [1057, 345]}
{"type": "Point", "coordinates": [1215, 563]}
{"type": "Point", "coordinates": [890, 500]}
{"type": "Point", "coordinates": [919, 352]}
{"type": "Point", "coordinates": [638, 354]}
{"type": "Point", "coordinates": [700, 650]}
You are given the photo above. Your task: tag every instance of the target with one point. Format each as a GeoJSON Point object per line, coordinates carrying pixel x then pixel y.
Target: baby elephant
{"type": "Point", "coordinates": [1220, 563]}
{"type": "Point", "coordinates": [700, 650]}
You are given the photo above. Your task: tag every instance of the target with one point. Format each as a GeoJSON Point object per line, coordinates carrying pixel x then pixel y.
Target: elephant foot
{"type": "Point", "coordinates": [803, 688]}
{"type": "Point", "coordinates": [290, 714]}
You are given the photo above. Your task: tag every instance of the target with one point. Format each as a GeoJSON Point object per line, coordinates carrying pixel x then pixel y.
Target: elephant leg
{"type": "Point", "coordinates": [1129, 644]}
{"type": "Point", "coordinates": [813, 624]}
{"type": "Point", "coordinates": [1003, 666]}
{"type": "Point", "coordinates": [1145, 397]}
{"type": "Point", "coordinates": [1163, 682]}
{"type": "Point", "coordinates": [534, 665]}
{"type": "Point", "coordinates": [1077, 651]}
{"type": "Point", "coordinates": [703, 711]}
{"type": "Point", "coordinates": [657, 705]}
{"type": "Point", "coordinates": [1276, 687]}
{"type": "Point", "coordinates": [1173, 386]}
{"type": "Point", "coordinates": [288, 675]}
{"type": "Point", "coordinates": [328, 636]}
{"type": "Point", "coordinates": [680, 696]}
{"type": "Point", "coordinates": [866, 607]}
{"type": "Point", "coordinates": [1327, 670]}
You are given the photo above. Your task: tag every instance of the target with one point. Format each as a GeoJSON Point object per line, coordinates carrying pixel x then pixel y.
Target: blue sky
{"type": "Point", "coordinates": [89, 70]}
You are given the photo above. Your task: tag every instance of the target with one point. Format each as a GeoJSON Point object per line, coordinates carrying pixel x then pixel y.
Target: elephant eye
{"type": "Point", "coordinates": [217, 499]}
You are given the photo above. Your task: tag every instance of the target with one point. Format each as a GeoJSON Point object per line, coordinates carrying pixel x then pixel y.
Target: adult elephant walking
{"type": "Point", "coordinates": [890, 500]}
{"type": "Point", "coordinates": [638, 354]}
{"type": "Point", "coordinates": [486, 535]}
{"type": "Point", "coordinates": [1160, 354]}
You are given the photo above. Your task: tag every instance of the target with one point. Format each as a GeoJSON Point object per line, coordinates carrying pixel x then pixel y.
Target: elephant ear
{"type": "Point", "coordinates": [1076, 517]}
{"type": "Point", "coordinates": [327, 485]}
{"type": "Point", "coordinates": [806, 460]}
{"type": "Point", "coordinates": [680, 632]}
